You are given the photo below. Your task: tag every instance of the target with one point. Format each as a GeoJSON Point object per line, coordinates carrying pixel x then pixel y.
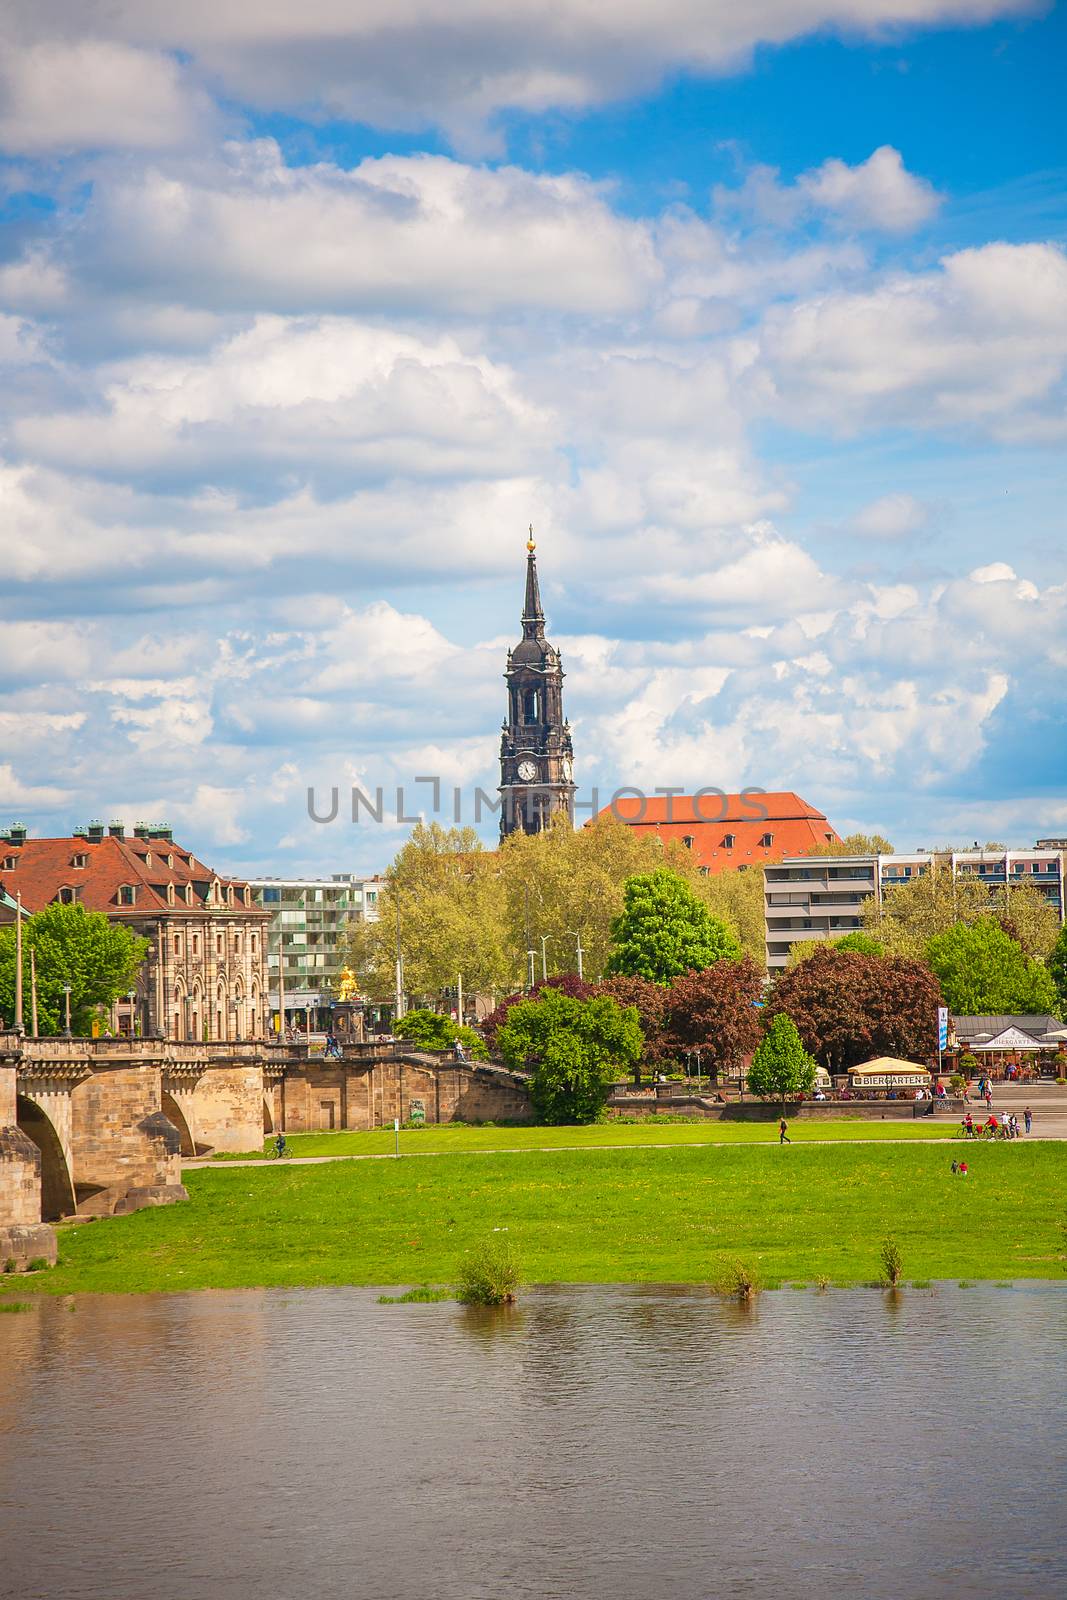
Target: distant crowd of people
{"type": "Point", "coordinates": [995, 1127]}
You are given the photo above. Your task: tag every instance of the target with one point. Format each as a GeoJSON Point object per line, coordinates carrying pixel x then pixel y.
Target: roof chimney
{"type": "Point", "coordinates": [116, 830]}
{"type": "Point", "coordinates": [16, 834]}
{"type": "Point", "coordinates": [141, 830]}
{"type": "Point", "coordinates": [94, 832]}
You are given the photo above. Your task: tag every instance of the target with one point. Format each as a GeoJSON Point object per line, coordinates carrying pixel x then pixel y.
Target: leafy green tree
{"type": "Point", "coordinates": [985, 972]}
{"type": "Point", "coordinates": [910, 914]}
{"type": "Point", "coordinates": [665, 930]}
{"type": "Point", "coordinates": [429, 1030]}
{"type": "Point", "coordinates": [781, 1067]}
{"type": "Point", "coordinates": [859, 941]}
{"type": "Point", "coordinates": [576, 1049]}
{"type": "Point", "coordinates": [736, 898]}
{"type": "Point", "coordinates": [1057, 966]}
{"type": "Point", "coordinates": [98, 958]}
{"type": "Point", "coordinates": [856, 844]}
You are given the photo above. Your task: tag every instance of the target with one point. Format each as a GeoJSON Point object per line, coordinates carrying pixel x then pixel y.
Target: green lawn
{"type": "Point", "coordinates": [593, 1216]}
{"type": "Point", "coordinates": [455, 1137]}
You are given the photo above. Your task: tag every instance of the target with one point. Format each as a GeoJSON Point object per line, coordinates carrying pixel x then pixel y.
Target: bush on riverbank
{"type": "Point", "coordinates": [490, 1275]}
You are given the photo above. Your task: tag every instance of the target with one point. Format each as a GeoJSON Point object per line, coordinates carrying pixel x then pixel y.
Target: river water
{"type": "Point", "coordinates": [622, 1442]}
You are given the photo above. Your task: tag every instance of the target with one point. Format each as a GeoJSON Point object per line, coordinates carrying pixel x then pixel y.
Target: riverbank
{"type": "Point", "coordinates": [797, 1214]}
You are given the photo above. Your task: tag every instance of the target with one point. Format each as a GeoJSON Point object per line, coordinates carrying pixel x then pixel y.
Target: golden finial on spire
{"type": "Point", "coordinates": [530, 541]}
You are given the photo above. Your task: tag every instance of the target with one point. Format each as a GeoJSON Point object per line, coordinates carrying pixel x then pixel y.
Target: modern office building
{"type": "Point", "coordinates": [821, 897]}
{"type": "Point", "coordinates": [308, 919]}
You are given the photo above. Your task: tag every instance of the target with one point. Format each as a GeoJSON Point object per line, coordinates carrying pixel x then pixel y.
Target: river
{"type": "Point", "coordinates": [621, 1442]}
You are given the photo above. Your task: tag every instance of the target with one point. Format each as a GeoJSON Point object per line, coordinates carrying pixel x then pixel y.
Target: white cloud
{"type": "Point", "coordinates": [399, 232]}
{"type": "Point", "coordinates": [62, 94]}
{"type": "Point", "coordinates": [407, 63]}
{"type": "Point", "coordinates": [892, 516]}
{"type": "Point", "coordinates": [878, 194]}
{"type": "Point", "coordinates": [13, 792]}
{"type": "Point", "coordinates": [980, 343]}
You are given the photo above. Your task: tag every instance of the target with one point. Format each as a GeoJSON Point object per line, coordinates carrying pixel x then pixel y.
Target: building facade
{"type": "Point", "coordinates": [727, 832]}
{"type": "Point", "coordinates": [308, 920]}
{"type": "Point", "coordinates": [822, 897]}
{"type": "Point", "coordinates": [204, 976]}
{"type": "Point", "coordinates": [536, 755]}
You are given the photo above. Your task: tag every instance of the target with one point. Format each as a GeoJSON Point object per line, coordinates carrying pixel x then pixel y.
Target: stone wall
{"type": "Point", "coordinates": [120, 1138]}
{"type": "Point", "coordinates": [228, 1106]}
{"type": "Point", "coordinates": [318, 1095]}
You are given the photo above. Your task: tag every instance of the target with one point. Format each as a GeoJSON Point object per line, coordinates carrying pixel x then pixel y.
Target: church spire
{"type": "Point", "coordinates": [531, 611]}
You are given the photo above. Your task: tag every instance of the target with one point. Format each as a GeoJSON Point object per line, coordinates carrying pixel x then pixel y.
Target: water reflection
{"type": "Point", "coordinates": [624, 1442]}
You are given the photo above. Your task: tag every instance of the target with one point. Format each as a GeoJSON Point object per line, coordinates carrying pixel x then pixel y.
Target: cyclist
{"type": "Point", "coordinates": [280, 1146]}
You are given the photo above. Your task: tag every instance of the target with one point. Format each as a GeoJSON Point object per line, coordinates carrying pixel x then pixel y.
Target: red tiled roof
{"type": "Point", "coordinates": [42, 867]}
{"type": "Point", "coordinates": [793, 826]}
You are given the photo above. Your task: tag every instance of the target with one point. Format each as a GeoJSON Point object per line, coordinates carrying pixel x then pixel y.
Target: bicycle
{"type": "Point", "coordinates": [284, 1154]}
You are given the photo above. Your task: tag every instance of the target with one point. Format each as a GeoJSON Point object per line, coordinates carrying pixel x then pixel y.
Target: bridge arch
{"type": "Point", "coordinates": [57, 1190]}
{"type": "Point", "coordinates": [174, 1113]}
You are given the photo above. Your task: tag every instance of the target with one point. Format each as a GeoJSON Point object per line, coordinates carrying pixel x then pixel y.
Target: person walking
{"type": "Point", "coordinates": [1028, 1118]}
{"type": "Point", "coordinates": [783, 1134]}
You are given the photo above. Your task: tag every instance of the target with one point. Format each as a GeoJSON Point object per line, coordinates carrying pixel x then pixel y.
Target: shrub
{"type": "Point", "coordinates": [892, 1262]}
{"type": "Point", "coordinates": [740, 1282]}
{"type": "Point", "coordinates": [423, 1295]}
{"type": "Point", "coordinates": [429, 1030]}
{"type": "Point", "coordinates": [15, 1305]}
{"type": "Point", "coordinates": [38, 1264]}
{"type": "Point", "coordinates": [490, 1274]}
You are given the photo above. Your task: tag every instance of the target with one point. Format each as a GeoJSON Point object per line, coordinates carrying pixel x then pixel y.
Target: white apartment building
{"type": "Point", "coordinates": [821, 897]}
{"type": "Point", "coordinates": [308, 918]}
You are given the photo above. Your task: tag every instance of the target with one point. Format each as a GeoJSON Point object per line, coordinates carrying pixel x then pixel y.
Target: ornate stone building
{"type": "Point", "coordinates": [536, 757]}
{"type": "Point", "coordinates": [204, 976]}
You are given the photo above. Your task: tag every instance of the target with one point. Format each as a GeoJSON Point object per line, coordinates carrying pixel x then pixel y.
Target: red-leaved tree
{"type": "Point", "coordinates": [850, 1007]}
{"type": "Point", "coordinates": [715, 1012]}
{"type": "Point", "coordinates": [650, 1000]}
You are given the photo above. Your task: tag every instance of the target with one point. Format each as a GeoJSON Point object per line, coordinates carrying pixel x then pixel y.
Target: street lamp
{"type": "Point", "coordinates": [131, 996]}
{"type": "Point", "coordinates": [546, 938]}
{"type": "Point", "coordinates": [66, 1011]}
{"type": "Point", "coordinates": [530, 955]}
{"type": "Point", "coordinates": [575, 934]}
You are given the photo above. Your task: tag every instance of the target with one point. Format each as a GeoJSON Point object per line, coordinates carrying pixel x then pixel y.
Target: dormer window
{"type": "Point", "coordinates": [729, 840]}
{"type": "Point", "coordinates": [169, 860]}
{"type": "Point", "coordinates": [127, 894]}
{"type": "Point", "coordinates": [79, 861]}
{"type": "Point", "coordinates": [170, 894]}
{"type": "Point", "coordinates": [68, 895]}
{"type": "Point", "coordinates": [767, 840]}
{"type": "Point", "coordinates": [10, 863]}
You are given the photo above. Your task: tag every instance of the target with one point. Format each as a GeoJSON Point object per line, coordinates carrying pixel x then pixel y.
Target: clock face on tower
{"type": "Point", "coordinates": [527, 771]}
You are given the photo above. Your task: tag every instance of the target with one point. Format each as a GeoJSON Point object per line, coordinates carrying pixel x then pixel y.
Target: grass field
{"type": "Point", "coordinates": [640, 1215]}
{"type": "Point", "coordinates": [451, 1138]}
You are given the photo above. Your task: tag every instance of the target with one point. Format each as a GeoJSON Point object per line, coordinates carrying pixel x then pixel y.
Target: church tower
{"type": "Point", "coordinates": [536, 758]}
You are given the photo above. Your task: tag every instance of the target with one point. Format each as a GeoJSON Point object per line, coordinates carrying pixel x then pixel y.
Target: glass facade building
{"type": "Point", "coordinates": [308, 919]}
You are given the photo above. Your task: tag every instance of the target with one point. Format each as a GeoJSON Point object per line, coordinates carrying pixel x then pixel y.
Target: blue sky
{"type": "Point", "coordinates": [759, 314]}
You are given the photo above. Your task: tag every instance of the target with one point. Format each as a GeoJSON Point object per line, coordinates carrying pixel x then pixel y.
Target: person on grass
{"type": "Point", "coordinates": [783, 1132]}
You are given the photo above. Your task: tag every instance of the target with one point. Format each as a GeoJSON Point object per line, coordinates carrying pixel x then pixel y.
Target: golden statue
{"type": "Point", "coordinates": [349, 988]}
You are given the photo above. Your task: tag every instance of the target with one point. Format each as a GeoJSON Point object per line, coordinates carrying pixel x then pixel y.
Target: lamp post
{"type": "Point", "coordinates": [530, 958]}
{"type": "Point", "coordinates": [131, 996]}
{"type": "Point", "coordinates": [575, 934]}
{"type": "Point", "coordinates": [546, 939]}
{"type": "Point", "coordinates": [19, 1026]}
{"type": "Point", "coordinates": [66, 1012]}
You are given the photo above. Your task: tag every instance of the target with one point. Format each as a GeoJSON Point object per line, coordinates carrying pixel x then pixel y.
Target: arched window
{"type": "Point", "coordinates": [530, 701]}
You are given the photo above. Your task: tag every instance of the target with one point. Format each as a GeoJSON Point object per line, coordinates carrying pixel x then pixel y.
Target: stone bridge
{"type": "Point", "coordinates": [100, 1126]}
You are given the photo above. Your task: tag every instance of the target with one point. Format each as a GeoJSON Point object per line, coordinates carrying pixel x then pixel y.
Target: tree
{"type": "Point", "coordinates": [859, 941]}
{"type": "Point", "coordinates": [850, 1007]}
{"type": "Point", "coordinates": [781, 1067]}
{"type": "Point", "coordinates": [736, 898]}
{"type": "Point", "coordinates": [1057, 966]}
{"type": "Point", "coordinates": [450, 897]}
{"type": "Point", "coordinates": [715, 1012]}
{"type": "Point", "coordinates": [856, 844]}
{"type": "Point", "coordinates": [98, 958]}
{"type": "Point", "coordinates": [910, 914]}
{"type": "Point", "coordinates": [985, 972]}
{"type": "Point", "coordinates": [576, 1049]}
{"type": "Point", "coordinates": [566, 982]}
{"type": "Point", "coordinates": [429, 1030]}
{"type": "Point", "coordinates": [650, 1002]}
{"type": "Point", "coordinates": [665, 930]}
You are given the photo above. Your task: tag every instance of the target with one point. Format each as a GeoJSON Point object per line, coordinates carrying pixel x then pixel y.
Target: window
{"type": "Point", "coordinates": [127, 894]}
{"type": "Point", "coordinates": [237, 944]}
{"type": "Point", "coordinates": [196, 944]}
{"type": "Point", "coordinates": [687, 840]}
{"type": "Point", "coordinates": [218, 944]}
{"type": "Point", "coordinates": [177, 945]}
{"type": "Point", "coordinates": [10, 863]}
{"type": "Point", "coordinates": [79, 861]}
{"type": "Point", "coordinates": [67, 895]}
{"type": "Point", "coordinates": [703, 872]}
{"type": "Point", "coordinates": [272, 897]}
{"type": "Point", "coordinates": [529, 706]}
{"type": "Point", "coordinates": [766, 840]}
{"type": "Point", "coordinates": [169, 860]}
{"type": "Point", "coordinates": [729, 840]}
{"type": "Point", "coordinates": [255, 944]}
